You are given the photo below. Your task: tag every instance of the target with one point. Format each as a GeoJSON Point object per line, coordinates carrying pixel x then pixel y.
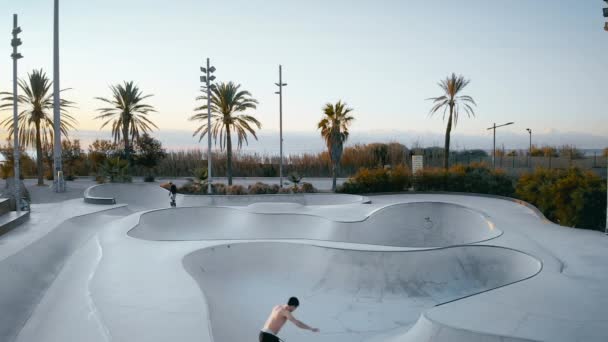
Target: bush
{"type": "Point", "coordinates": [378, 180]}
{"type": "Point", "coordinates": [285, 191]}
{"type": "Point", "coordinates": [235, 190]}
{"type": "Point", "coordinates": [274, 189]}
{"type": "Point", "coordinates": [192, 188]}
{"type": "Point", "coordinates": [259, 189]}
{"type": "Point", "coordinates": [307, 188]}
{"type": "Point", "coordinates": [100, 179]}
{"type": "Point", "coordinates": [200, 174]}
{"type": "Point", "coordinates": [70, 178]}
{"type": "Point", "coordinates": [571, 197]}
{"type": "Point", "coordinates": [475, 178]}
{"type": "Point", "coordinates": [116, 170]}
{"type": "Point", "coordinates": [149, 178]}
{"type": "Point", "coordinates": [218, 188]}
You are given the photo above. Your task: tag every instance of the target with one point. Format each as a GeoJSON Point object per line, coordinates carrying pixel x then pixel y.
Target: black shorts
{"type": "Point", "coordinates": [266, 337]}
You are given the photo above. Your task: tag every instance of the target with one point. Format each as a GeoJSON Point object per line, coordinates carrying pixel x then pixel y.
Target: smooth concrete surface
{"type": "Point", "coordinates": [422, 224]}
{"type": "Point", "coordinates": [142, 195]}
{"type": "Point", "coordinates": [350, 295]}
{"type": "Point", "coordinates": [115, 278]}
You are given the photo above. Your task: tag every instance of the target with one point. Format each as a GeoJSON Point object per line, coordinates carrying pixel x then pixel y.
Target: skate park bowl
{"type": "Point", "coordinates": [358, 295]}
{"type": "Point", "coordinates": [419, 224]}
{"type": "Point", "coordinates": [403, 268]}
{"type": "Point", "coordinates": [150, 196]}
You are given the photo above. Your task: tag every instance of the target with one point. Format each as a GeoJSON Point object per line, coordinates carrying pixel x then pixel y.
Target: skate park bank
{"type": "Point", "coordinates": [404, 267]}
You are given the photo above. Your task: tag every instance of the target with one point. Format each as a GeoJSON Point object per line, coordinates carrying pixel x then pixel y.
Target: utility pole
{"type": "Point", "coordinates": [280, 92]}
{"type": "Point", "coordinates": [530, 150]}
{"type": "Point", "coordinates": [16, 42]}
{"type": "Point", "coordinates": [606, 28]}
{"type": "Point", "coordinates": [58, 180]}
{"type": "Point", "coordinates": [494, 127]}
{"type": "Point", "coordinates": [207, 79]}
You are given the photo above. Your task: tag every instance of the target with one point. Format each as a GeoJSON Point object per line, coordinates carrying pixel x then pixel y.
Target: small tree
{"type": "Point", "coordinates": [295, 178]}
{"type": "Point", "coordinates": [149, 152]}
{"type": "Point", "coordinates": [99, 151]}
{"type": "Point", "coordinates": [71, 153]}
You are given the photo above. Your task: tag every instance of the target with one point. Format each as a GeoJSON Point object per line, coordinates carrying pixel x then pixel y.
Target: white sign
{"type": "Point", "coordinates": [417, 164]}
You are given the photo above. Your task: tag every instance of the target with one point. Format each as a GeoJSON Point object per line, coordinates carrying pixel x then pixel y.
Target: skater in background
{"type": "Point", "coordinates": [279, 315]}
{"type": "Point", "coordinates": [172, 193]}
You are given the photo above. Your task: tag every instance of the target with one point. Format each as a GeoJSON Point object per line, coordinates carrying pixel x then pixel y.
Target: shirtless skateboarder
{"type": "Point", "coordinates": [279, 315]}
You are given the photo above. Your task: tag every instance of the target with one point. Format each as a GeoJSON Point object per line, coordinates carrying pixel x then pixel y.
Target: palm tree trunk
{"type": "Point", "coordinates": [228, 155]}
{"type": "Point", "coordinates": [446, 154]}
{"type": "Point", "coordinates": [39, 158]}
{"type": "Point", "coordinates": [125, 136]}
{"type": "Point", "coordinates": [334, 171]}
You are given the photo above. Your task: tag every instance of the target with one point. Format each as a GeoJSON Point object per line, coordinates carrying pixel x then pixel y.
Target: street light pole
{"type": "Point", "coordinates": [16, 42]}
{"type": "Point", "coordinates": [494, 127]}
{"type": "Point", "coordinates": [59, 182]}
{"type": "Point", "coordinates": [280, 92]}
{"type": "Point", "coordinates": [530, 150]}
{"type": "Point", "coordinates": [606, 28]}
{"type": "Point", "coordinates": [207, 79]}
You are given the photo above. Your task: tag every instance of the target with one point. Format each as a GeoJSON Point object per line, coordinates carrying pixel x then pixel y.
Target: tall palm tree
{"type": "Point", "coordinates": [127, 114]}
{"type": "Point", "coordinates": [227, 101]}
{"type": "Point", "coordinates": [452, 86]}
{"type": "Point", "coordinates": [334, 130]}
{"type": "Point", "coordinates": [35, 121]}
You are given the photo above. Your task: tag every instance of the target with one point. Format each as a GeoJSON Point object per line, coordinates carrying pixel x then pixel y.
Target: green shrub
{"type": "Point", "coordinates": [307, 188]}
{"type": "Point", "coordinates": [236, 190]}
{"type": "Point", "coordinates": [192, 188]}
{"type": "Point", "coordinates": [570, 197]}
{"type": "Point", "coordinates": [475, 178]}
{"type": "Point", "coordinates": [378, 180]}
{"type": "Point", "coordinates": [258, 189]}
{"type": "Point", "coordinates": [116, 170]}
{"type": "Point", "coordinates": [200, 174]}
{"type": "Point", "coordinates": [285, 191]}
{"type": "Point", "coordinates": [218, 188]}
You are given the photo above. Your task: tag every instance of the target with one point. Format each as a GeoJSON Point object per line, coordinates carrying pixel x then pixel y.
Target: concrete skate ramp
{"type": "Point", "coordinates": [152, 196]}
{"type": "Point", "coordinates": [350, 295]}
{"type": "Point", "coordinates": [26, 275]}
{"type": "Point", "coordinates": [137, 196]}
{"type": "Point", "coordinates": [420, 224]}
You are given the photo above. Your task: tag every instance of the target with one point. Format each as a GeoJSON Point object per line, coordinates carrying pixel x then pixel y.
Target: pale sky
{"type": "Point", "coordinates": [542, 64]}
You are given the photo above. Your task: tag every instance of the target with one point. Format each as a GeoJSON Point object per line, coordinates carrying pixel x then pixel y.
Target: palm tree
{"type": "Point", "coordinates": [334, 130]}
{"type": "Point", "coordinates": [127, 114]}
{"type": "Point", "coordinates": [452, 86]}
{"type": "Point", "coordinates": [36, 119]}
{"type": "Point", "coordinates": [227, 101]}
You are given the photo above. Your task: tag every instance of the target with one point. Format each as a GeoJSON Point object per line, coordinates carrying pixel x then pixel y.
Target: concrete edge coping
{"type": "Point", "coordinates": [112, 200]}
{"type": "Point", "coordinates": [472, 194]}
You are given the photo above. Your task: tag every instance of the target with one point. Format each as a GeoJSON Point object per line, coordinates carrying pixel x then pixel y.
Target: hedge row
{"type": "Point", "coordinates": [572, 197]}
{"type": "Point", "coordinates": [475, 178]}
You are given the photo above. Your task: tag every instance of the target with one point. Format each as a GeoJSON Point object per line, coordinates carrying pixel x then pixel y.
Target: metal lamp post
{"type": "Point", "coordinates": [207, 79]}
{"type": "Point", "coordinates": [280, 92]}
{"type": "Point", "coordinates": [16, 42]}
{"type": "Point", "coordinates": [530, 150]}
{"type": "Point", "coordinates": [494, 127]}
{"type": "Point", "coordinates": [606, 28]}
{"type": "Point", "coordinates": [58, 180]}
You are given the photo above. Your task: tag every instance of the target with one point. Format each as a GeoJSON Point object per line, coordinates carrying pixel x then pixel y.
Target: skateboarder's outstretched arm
{"type": "Point", "coordinates": [298, 323]}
